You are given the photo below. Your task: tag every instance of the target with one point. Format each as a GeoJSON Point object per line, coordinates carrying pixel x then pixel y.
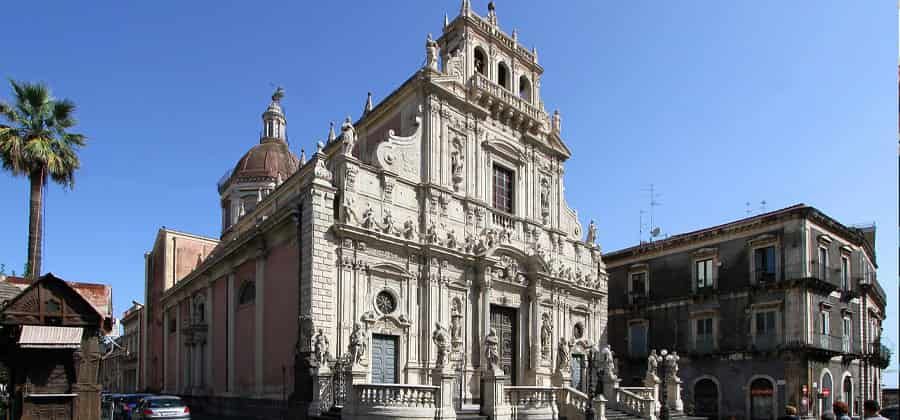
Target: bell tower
{"type": "Point", "coordinates": [491, 54]}
{"type": "Point", "coordinates": [273, 119]}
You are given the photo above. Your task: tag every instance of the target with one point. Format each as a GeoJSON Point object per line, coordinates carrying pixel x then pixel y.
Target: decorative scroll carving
{"type": "Point", "coordinates": [401, 154]}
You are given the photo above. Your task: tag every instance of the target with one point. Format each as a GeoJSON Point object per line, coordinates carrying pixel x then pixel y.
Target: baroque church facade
{"type": "Point", "coordinates": [441, 208]}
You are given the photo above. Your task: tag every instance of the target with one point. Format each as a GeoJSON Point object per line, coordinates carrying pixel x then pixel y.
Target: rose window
{"type": "Point", "coordinates": [385, 303]}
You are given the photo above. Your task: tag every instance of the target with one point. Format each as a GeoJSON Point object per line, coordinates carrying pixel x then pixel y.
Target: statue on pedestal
{"type": "Point", "coordinates": [441, 340]}
{"type": "Point", "coordinates": [359, 342]}
{"type": "Point", "coordinates": [320, 348]}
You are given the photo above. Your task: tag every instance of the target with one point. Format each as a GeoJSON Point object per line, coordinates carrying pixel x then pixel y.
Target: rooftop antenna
{"type": "Point", "coordinates": [747, 204]}
{"type": "Point", "coordinates": [653, 203]}
{"type": "Point", "coordinates": [762, 206]}
{"type": "Point", "coordinates": [641, 227]}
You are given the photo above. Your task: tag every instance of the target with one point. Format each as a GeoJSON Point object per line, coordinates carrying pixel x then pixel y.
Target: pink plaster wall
{"type": "Point", "coordinates": [280, 314]}
{"type": "Point", "coordinates": [219, 340]}
{"type": "Point", "coordinates": [244, 334]}
{"type": "Point", "coordinates": [171, 355]}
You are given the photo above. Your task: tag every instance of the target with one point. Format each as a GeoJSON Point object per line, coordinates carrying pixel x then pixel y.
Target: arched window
{"type": "Point", "coordinates": [706, 398]}
{"type": "Point", "coordinates": [827, 383]}
{"type": "Point", "coordinates": [847, 392]}
{"type": "Point", "coordinates": [247, 294]}
{"type": "Point", "coordinates": [480, 60]}
{"type": "Point", "coordinates": [524, 88]}
{"type": "Point", "coordinates": [503, 75]}
{"type": "Point", "coordinates": [762, 399]}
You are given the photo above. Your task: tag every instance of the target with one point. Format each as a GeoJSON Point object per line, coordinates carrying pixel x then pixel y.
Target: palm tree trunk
{"type": "Point", "coordinates": [35, 223]}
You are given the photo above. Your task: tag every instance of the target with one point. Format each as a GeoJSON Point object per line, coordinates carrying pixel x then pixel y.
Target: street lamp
{"type": "Point", "coordinates": [664, 391]}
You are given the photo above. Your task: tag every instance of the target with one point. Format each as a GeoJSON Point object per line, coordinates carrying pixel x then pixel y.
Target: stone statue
{"type": "Point", "coordinates": [359, 342]}
{"type": "Point", "coordinates": [409, 229]}
{"type": "Point", "coordinates": [469, 244]}
{"type": "Point", "coordinates": [591, 233]}
{"type": "Point", "coordinates": [441, 339]}
{"type": "Point", "coordinates": [492, 352]}
{"type": "Point", "coordinates": [672, 366]}
{"type": "Point", "coordinates": [491, 235]}
{"type": "Point", "coordinates": [368, 219]}
{"type": "Point", "coordinates": [546, 336]}
{"type": "Point", "coordinates": [652, 365]}
{"type": "Point", "coordinates": [431, 54]}
{"type": "Point", "coordinates": [564, 356]}
{"type": "Point", "coordinates": [451, 239]}
{"type": "Point", "coordinates": [557, 122]}
{"type": "Point", "coordinates": [320, 347]}
{"type": "Point", "coordinates": [389, 225]}
{"type": "Point", "coordinates": [431, 235]}
{"type": "Point", "coordinates": [608, 361]}
{"type": "Point", "coordinates": [348, 134]}
{"type": "Point", "coordinates": [456, 322]}
{"type": "Point", "coordinates": [545, 195]}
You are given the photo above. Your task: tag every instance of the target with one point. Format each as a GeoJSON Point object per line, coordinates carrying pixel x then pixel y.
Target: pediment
{"type": "Point", "coordinates": [510, 151]}
{"type": "Point", "coordinates": [50, 300]}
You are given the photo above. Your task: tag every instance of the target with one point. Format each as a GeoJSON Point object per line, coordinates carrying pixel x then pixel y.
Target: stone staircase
{"type": "Point", "coordinates": [613, 414]}
{"type": "Point", "coordinates": [470, 414]}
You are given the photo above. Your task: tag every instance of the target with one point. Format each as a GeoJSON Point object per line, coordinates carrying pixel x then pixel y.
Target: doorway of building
{"type": "Point", "coordinates": [706, 399]}
{"type": "Point", "coordinates": [577, 370]}
{"type": "Point", "coordinates": [503, 322]}
{"type": "Point", "coordinates": [762, 399]}
{"type": "Point", "coordinates": [847, 391]}
{"type": "Point", "coordinates": [384, 359]}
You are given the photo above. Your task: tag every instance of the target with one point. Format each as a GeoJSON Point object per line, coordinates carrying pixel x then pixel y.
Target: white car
{"type": "Point", "coordinates": [162, 407]}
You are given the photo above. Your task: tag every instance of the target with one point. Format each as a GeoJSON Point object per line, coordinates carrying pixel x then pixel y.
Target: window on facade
{"type": "Point", "coordinates": [704, 334]}
{"type": "Point", "coordinates": [247, 294]}
{"type": "Point", "coordinates": [765, 323]}
{"type": "Point", "coordinates": [823, 263]}
{"type": "Point", "coordinates": [638, 344]}
{"type": "Point", "coordinates": [503, 75]}
{"type": "Point", "coordinates": [825, 322]}
{"type": "Point", "coordinates": [503, 189]}
{"type": "Point", "coordinates": [639, 284]}
{"type": "Point", "coordinates": [480, 59]}
{"type": "Point", "coordinates": [704, 273]}
{"type": "Point", "coordinates": [764, 264]}
{"type": "Point", "coordinates": [525, 88]}
{"type": "Point", "coordinates": [848, 332]}
{"type": "Point", "coordinates": [845, 273]}
{"type": "Point", "coordinates": [385, 302]}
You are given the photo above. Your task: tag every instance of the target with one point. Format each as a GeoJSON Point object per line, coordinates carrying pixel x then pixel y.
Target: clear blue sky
{"type": "Point", "coordinates": [716, 103]}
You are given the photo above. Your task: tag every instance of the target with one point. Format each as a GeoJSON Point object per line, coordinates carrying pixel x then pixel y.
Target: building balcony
{"type": "Point", "coordinates": [764, 277]}
{"type": "Point", "coordinates": [506, 105]}
{"type": "Point", "coordinates": [870, 284]}
{"type": "Point", "coordinates": [704, 344]}
{"type": "Point", "coordinates": [766, 342]}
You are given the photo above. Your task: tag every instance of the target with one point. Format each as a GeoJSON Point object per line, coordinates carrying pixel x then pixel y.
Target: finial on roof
{"type": "Point", "coordinates": [446, 21]}
{"type": "Point", "coordinates": [331, 135]}
{"type": "Point", "coordinates": [534, 53]}
{"type": "Point", "coordinates": [492, 13]}
{"type": "Point", "coordinates": [319, 147]}
{"type": "Point", "coordinates": [279, 93]}
{"type": "Point", "coordinates": [466, 7]}
{"type": "Point", "coordinates": [515, 34]}
{"type": "Point", "coordinates": [557, 122]}
{"type": "Point", "coordinates": [302, 157]}
{"type": "Point", "coordinates": [368, 107]}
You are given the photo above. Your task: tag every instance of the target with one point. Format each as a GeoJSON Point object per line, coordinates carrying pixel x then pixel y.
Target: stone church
{"type": "Point", "coordinates": [440, 210]}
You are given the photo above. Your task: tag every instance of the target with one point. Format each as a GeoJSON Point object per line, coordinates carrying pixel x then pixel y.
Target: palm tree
{"type": "Point", "coordinates": [38, 145]}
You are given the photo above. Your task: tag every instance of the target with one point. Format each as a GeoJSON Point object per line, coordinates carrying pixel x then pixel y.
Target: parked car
{"type": "Point", "coordinates": [160, 407]}
{"type": "Point", "coordinates": [125, 405]}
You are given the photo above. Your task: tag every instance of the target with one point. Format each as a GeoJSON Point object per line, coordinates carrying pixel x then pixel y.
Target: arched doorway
{"type": "Point", "coordinates": [847, 392]}
{"type": "Point", "coordinates": [762, 399]}
{"type": "Point", "coordinates": [706, 398]}
{"type": "Point", "coordinates": [827, 390]}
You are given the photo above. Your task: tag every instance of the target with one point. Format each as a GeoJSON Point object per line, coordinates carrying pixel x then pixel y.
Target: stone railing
{"type": "Point", "coordinates": [501, 220]}
{"type": "Point", "coordinates": [572, 403]}
{"type": "Point", "coordinates": [637, 405]}
{"type": "Point", "coordinates": [532, 402]}
{"type": "Point", "coordinates": [389, 401]}
{"type": "Point", "coordinates": [640, 391]}
{"type": "Point", "coordinates": [481, 82]}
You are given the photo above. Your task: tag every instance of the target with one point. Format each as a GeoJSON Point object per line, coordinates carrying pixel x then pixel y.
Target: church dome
{"type": "Point", "coordinates": [266, 160]}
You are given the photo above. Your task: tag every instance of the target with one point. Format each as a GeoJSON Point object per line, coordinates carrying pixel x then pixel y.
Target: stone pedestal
{"type": "Point", "coordinates": [444, 378]}
{"type": "Point", "coordinates": [653, 382]}
{"type": "Point", "coordinates": [494, 403]}
{"type": "Point", "coordinates": [543, 376]}
{"type": "Point", "coordinates": [322, 392]}
{"type": "Point", "coordinates": [599, 403]}
{"type": "Point", "coordinates": [610, 385]}
{"type": "Point", "coordinates": [673, 386]}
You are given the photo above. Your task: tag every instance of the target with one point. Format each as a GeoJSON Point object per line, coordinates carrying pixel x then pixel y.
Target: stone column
{"type": "Point", "coordinates": [444, 377]}
{"type": "Point", "coordinates": [323, 393]}
{"type": "Point", "coordinates": [494, 404]}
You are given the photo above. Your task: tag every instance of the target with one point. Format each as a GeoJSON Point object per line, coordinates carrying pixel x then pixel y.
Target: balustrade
{"type": "Point", "coordinates": [634, 404]}
{"type": "Point", "coordinates": [395, 395]}
{"type": "Point", "coordinates": [512, 100]}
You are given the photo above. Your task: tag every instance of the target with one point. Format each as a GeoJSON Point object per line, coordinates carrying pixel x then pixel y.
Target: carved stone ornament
{"type": "Point", "coordinates": [652, 367]}
{"type": "Point", "coordinates": [564, 356]}
{"type": "Point", "coordinates": [320, 348]}
{"type": "Point", "coordinates": [456, 323]}
{"type": "Point", "coordinates": [368, 218]}
{"type": "Point", "coordinates": [348, 136]}
{"type": "Point", "coordinates": [431, 235]}
{"type": "Point", "coordinates": [546, 336]}
{"type": "Point", "coordinates": [389, 225]}
{"type": "Point", "coordinates": [545, 199]}
{"type": "Point", "coordinates": [451, 239]}
{"type": "Point", "coordinates": [591, 234]}
{"type": "Point", "coordinates": [492, 353]}
{"type": "Point", "coordinates": [457, 164]}
{"type": "Point", "coordinates": [431, 54]}
{"type": "Point", "coordinates": [359, 343]}
{"type": "Point", "coordinates": [409, 229]}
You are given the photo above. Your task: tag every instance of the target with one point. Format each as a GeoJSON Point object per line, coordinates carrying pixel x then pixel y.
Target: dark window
{"type": "Point", "coordinates": [704, 337]}
{"type": "Point", "coordinates": [479, 60]}
{"type": "Point", "coordinates": [704, 273]}
{"type": "Point", "coordinates": [172, 326]}
{"type": "Point", "coordinates": [823, 263]}
{"type": "Point", "coordinates": [525, 88]}
{"type": "Point", "coordinates": [247, 294]}
{"type": "Point", "coordinates": [845, 273]}
{"type": "Point", "coordinates": [503, 75]}
{"type": "Point", "coordinates": [638, 344]}
{"type": "Point", "coordinates": [503, 189]}
{"type": "Point", "coordinates": [764, 263]}
{"type": "Point", "coordinates": [765, 323]}
{"type": "Point", "coordinates": [386, 303]}
{"type": "Point", "coordinates": [578, 330]}
{"type": "Point", "coordinates": [639, 284]}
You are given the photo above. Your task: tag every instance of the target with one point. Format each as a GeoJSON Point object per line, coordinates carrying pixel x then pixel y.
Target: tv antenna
{"type": "Point", "coordinates": [653, 204]}
{"type": "Point", "coordinates": [747, 205]}
{"type": "Point", "coordinates": [762, 206]}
